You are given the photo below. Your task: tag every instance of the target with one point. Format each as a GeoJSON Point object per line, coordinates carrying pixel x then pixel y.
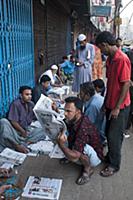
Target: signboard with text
{"type": "Point", "coordinates": [101, 11]}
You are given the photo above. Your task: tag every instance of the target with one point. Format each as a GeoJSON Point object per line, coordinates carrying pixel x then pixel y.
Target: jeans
{"type": "Point", "coordinates": [114, 133]}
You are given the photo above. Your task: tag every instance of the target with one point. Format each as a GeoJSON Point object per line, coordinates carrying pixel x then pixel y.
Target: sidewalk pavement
{"type": "Point", "coordinates": [117, 187]}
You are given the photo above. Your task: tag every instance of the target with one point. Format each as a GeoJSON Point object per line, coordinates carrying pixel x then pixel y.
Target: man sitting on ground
{"type": "Point", "coordinates": [16, 131]}
{"type": "Point", "coordinates": [52, 73]}
{"type": "Point", "coordinates": [83, 140]}
{"type": "Point", "coordinates": [41, 88]}
{"type": "Point", "coordinates": [68, 67]}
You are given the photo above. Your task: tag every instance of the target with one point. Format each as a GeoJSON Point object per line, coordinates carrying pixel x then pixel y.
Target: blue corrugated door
{"type": "Point", "coordinates": [16, 49]}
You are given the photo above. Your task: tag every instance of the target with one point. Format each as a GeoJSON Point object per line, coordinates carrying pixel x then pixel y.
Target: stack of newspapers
{"type": "Point", "coordinates": [42, 188]}
{"type": "Point", "coordinates": [51, 121]}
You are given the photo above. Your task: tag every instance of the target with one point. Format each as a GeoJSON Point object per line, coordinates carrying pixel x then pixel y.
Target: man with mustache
{"type": "Point", "coordinates": [117, 100]}
{"type": "Point", "coordinates": [84, 144]}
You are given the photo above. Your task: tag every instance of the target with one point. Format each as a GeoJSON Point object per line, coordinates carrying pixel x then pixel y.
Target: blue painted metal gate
{"type": "Point", "coordinates": [16, 49]}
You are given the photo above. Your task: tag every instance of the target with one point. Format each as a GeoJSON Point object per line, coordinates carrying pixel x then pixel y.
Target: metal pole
{"type": "Point", "coordinates": [117, 15]}
{"type": "Point", "coordinates": [118, 33]}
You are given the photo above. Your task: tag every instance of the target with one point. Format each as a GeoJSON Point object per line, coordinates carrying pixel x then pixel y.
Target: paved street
{"type": "Point", "coordinates": [117, 187]}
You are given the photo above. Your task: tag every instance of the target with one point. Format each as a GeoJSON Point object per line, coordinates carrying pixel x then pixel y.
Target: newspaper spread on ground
{"type": "Point", "coordinates": [42, 188]}
{"type": "Point", "coordinates": [51, 121]}
{"type": "Point", "coordinates": [6, 165]}
{"type": "Point", "coordinates": [41, 147]}
{"type": "Point", "coordinates": [12, 156]}
{"type": "Point", "coordinates": [56, 152]}
{"type": "Point", "coordinates": [60, 91]}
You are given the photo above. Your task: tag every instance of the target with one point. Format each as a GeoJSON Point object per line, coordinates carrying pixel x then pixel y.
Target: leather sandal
{"type": "Point", "coordinates": [108, 171]}
{"type": "Point", "coordinates": [84, 178]}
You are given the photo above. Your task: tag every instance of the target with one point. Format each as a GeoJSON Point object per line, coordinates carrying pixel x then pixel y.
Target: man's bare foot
{"type": "Point", "coordinates": [21, 149]}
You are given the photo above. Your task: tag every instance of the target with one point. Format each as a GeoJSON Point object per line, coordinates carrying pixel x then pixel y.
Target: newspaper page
{"type": "Point", "coordinates": [60, 91]}
{"type": "Point", "coordinates": [51, 121]}
{"type": "Point", "coordinates": [6, 165]}
{"type": "Point", "coordinates": [42, 188]}
{"type": "Point", "coordinates": [12, 156]}
{"type": "Point", "coordinates": [41, 147]}
{"type": "Point", "coordinates": [56, 152]}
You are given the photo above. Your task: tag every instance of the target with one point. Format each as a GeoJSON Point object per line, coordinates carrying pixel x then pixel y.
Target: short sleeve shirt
{"type": "Point", "coordinates": [118, 71]}
{"type": "Point", "coordinates": [84, 132]}
{"type": "Point", "coordinates": [19, 113]}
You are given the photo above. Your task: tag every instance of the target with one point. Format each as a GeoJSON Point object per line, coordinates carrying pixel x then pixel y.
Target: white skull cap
{"type": "Point", "coordinates": [81, 37]}
{"type": "Point", "coordinates": [54, 67]}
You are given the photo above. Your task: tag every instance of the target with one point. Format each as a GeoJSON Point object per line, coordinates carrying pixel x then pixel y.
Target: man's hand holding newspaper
{"type": "Point", "coordinates": [50, 120]}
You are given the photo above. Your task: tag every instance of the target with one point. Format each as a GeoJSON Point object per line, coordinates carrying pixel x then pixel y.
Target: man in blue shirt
{"type": "Point", "coordinates": [68, 67]}
{"type": "Point", "coordinates": [92, 107]}
{"type": "Point", "coordinates": [41, 88]}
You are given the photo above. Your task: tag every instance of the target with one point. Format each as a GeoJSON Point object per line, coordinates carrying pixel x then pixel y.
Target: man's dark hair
{"type": "Point", "coordinates": [105, 37]}
{"type": "Point", "coordinates": [88, 88]}
{"type": "Point", "coordinates": [99, 83]}
{"type": "Point", "coordinates": [44, 79]}
{"type": "Point", "coordinates": [64, 57]}
{"type": "Point", "coordinates": [24, 87]}
{"type": "Point", "coordinates": [77, 102]}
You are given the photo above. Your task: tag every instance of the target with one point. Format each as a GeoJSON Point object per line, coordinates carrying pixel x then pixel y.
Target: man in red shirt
{"type": "Point", "coordinates": [117, 100]}
{"type": "Point", "coordinates": [84, 144]}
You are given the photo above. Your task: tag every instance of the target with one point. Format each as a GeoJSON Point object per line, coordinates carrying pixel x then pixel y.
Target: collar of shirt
{"type": "Point", "coordinates": [116, 55]}
{"type": "Point", "coordinates": [87, 103]}
{"type": "Point", "coordinates": [25, 103]}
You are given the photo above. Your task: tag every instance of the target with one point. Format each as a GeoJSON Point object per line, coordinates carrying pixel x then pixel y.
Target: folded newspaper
{"type": "Point", "coordinates": [11, 156]}
{"type": "Point", "coordinates": [51, 121]}
{"type": "Point", "coordinates": [42, 188]}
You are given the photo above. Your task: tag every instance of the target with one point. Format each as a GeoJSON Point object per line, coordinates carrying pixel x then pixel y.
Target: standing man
{"type": "Point", "coordinates": [117, 99]}
{"type": "Point", "coordinates": [85, 58]}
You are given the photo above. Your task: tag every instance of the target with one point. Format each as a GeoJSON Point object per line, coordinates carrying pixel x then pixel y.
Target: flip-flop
{"type": "Point", "coordinates": [108, 171]}
{"type": "Point", "coordinates": [84, 178]}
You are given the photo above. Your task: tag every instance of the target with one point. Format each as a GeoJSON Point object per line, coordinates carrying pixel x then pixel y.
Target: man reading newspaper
{"type": "Point", "coordinates": [84, 144]}
{"type": "Point", "coordinates": [49, 117]}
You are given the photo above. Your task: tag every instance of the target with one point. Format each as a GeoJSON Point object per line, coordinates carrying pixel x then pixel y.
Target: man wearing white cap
{"type": "Point", "coordinates": [52, 75]}
{"type": "Point", "coordinates": [85, 58]}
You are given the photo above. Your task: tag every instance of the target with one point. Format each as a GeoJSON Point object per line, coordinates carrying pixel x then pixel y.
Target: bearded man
{"type": "Point", "coordinates": [84, 144]}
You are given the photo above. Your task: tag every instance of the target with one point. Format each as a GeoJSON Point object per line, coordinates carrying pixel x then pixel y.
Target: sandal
{"type": "Point", "coordinates": [84, 178]}
{"type": "Point", "coordinates": [108, 171]}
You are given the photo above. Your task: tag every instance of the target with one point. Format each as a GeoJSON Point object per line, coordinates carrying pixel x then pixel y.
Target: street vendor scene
{"type": "Point", "coordinates": [66, 99]}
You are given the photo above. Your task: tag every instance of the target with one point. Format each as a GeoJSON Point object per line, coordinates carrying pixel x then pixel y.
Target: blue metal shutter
{"type": "Point", "coordinates": [16, 49]}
